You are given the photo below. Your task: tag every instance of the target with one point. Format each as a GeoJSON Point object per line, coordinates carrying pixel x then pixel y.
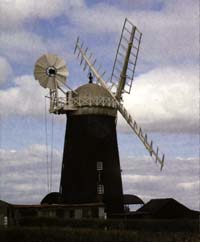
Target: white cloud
{"type": "Point", "coordinates": [98, 19]}
{"type": "Point", "coordinates": [5, 70]}
{"type": "Point", "coordinates": [167, 34]}
{"type": "Point", "coordinates": [165, 99]}
{"type": "Point", "coordinates": [15, 13]}
{"type": "Point", "coordinates": [26, 98]}
{"type": "Point", "coordinates": [140, 178]}
{"type": "Point", "coordinates": [23, 176]}
{"type": "Point", "coordinates": [22, 46]}
{"type": "Point", "coordinates": [179, 179]}
{"type": "Point", "coordinates": [142, 4]}
{"type": "Point", "coordinates": [189, 185]}
{"type": "Point", "coordinates": [37, 153]}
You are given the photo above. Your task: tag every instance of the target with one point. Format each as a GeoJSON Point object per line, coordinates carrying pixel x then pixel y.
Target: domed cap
{"type": "Point", "coordinates": [94, 99]}
{"type": "Point", "coordinates": [92, 90]}
{"type": "Point", "coordinates": [51, 198]}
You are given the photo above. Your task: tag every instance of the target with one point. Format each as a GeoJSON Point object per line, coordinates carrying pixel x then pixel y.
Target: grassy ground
{"type": "Point", "coordinates": [55, 234]}
{"type": "Point", "coordinates": [91, 230]}
{"type": "Point", "coordinates": [151, 225]}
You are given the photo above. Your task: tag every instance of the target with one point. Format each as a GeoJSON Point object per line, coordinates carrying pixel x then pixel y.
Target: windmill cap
{"type": "Point", "coordinates": [92, 90]}
{"type": "Point", "coordinates": [94, 99]}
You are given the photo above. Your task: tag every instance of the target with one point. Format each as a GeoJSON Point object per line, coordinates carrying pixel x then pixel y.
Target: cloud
{"type": "Point", "coordinates": [14, 13]}
{"type": "Point", "coordinates": [165, 99]}
{"type": "Point", "coordinates": [141, 177]}
{"type": "Point", "coordinates": [167, 33]}
{"type": "Point", "coordinates": [22, 46]}
{"type": "Point", "coordinates": [5, 70]}
{"type": "Point", "coordinates": [142, 4]}
{"type": "Point", "coordinates": [23, 176]}
{"type": "Point", "coordinates": [21, 38]}
{"type": "Point", "coordinates": [26, 98]}
{"type": "Point", "coordinates": [189, 185]}
{"type": "Point", "coordinates": [98, 19]}
{"type": "Point", "coordinates": [23, 173]}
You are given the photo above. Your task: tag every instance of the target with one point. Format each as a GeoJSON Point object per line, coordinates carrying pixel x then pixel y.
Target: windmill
{"type": "Point", "coordinates": [91, 167]}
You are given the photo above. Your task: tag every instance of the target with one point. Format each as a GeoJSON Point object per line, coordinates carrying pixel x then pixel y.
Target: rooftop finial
{"type": "Point", "coordinates": [90, 77]}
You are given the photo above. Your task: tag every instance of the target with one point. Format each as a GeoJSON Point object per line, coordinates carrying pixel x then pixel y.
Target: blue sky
{"type": "Point", "coordinates": [163, 100]}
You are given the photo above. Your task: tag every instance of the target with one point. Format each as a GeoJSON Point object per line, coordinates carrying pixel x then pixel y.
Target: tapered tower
{"type": "Point", "coordinates": [91, 168]}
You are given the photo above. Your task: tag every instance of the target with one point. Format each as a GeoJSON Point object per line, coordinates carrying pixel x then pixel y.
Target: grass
{"type": "Point", "coordinates": [91, 230]}
{"type": "Point", "coordinates": [55, 234]}
{"type": "Point", "coordinates": [151, 225]}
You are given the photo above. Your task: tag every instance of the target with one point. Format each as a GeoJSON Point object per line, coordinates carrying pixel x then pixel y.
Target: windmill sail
{"type": "Point", "coordinates": [132, 123]}
{"type": "Point", "coordinates": [143, 137]}
{"type": "Point", "coordinates": [126, 58]}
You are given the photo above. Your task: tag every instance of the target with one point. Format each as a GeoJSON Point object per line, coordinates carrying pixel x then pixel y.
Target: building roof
{"type": "Point", "coordinates": [52, 198]}
{"type": "Point", "coordinates": [167, 208]}
{"type": "Point", "coordinates": [132, 199]}
{"type": "Point", "coordinates": [91, 89]}
{"type": "Point", "coordinates": [52, 206]}
{"type": "Point", "coordinates": [3, 203]}
{"type": "Point", "coordinates": [93, 99]}
{"type": "Point", "coordinates": [155, 205]}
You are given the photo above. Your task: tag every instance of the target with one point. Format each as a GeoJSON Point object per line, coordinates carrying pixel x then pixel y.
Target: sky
{"type": "Point", "coordinates": [164, 98]}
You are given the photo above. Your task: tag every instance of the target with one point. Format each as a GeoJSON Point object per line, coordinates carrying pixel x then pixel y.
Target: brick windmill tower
{"type": "Point", "coordinates": [91, 167]}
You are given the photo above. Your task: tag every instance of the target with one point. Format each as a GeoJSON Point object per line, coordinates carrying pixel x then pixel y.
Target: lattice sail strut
{"type": "Point", "coordinates": [126, 58]}
{"type": "Point", "coordinates": [88, 61]}
{"type": "Point", "coordinates": [143, 137]}
{"type": "Point", "coordinates": [132, 123]}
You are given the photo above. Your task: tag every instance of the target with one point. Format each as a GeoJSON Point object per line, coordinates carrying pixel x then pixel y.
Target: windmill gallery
{"type": "Point", "coordinates": [91, 184]}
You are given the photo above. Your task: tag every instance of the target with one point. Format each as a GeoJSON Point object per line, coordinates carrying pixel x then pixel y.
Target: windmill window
{"type": "Point", "coordinates": [99, 165]}
{"type": "Point", "coordinates": [100, 189]}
